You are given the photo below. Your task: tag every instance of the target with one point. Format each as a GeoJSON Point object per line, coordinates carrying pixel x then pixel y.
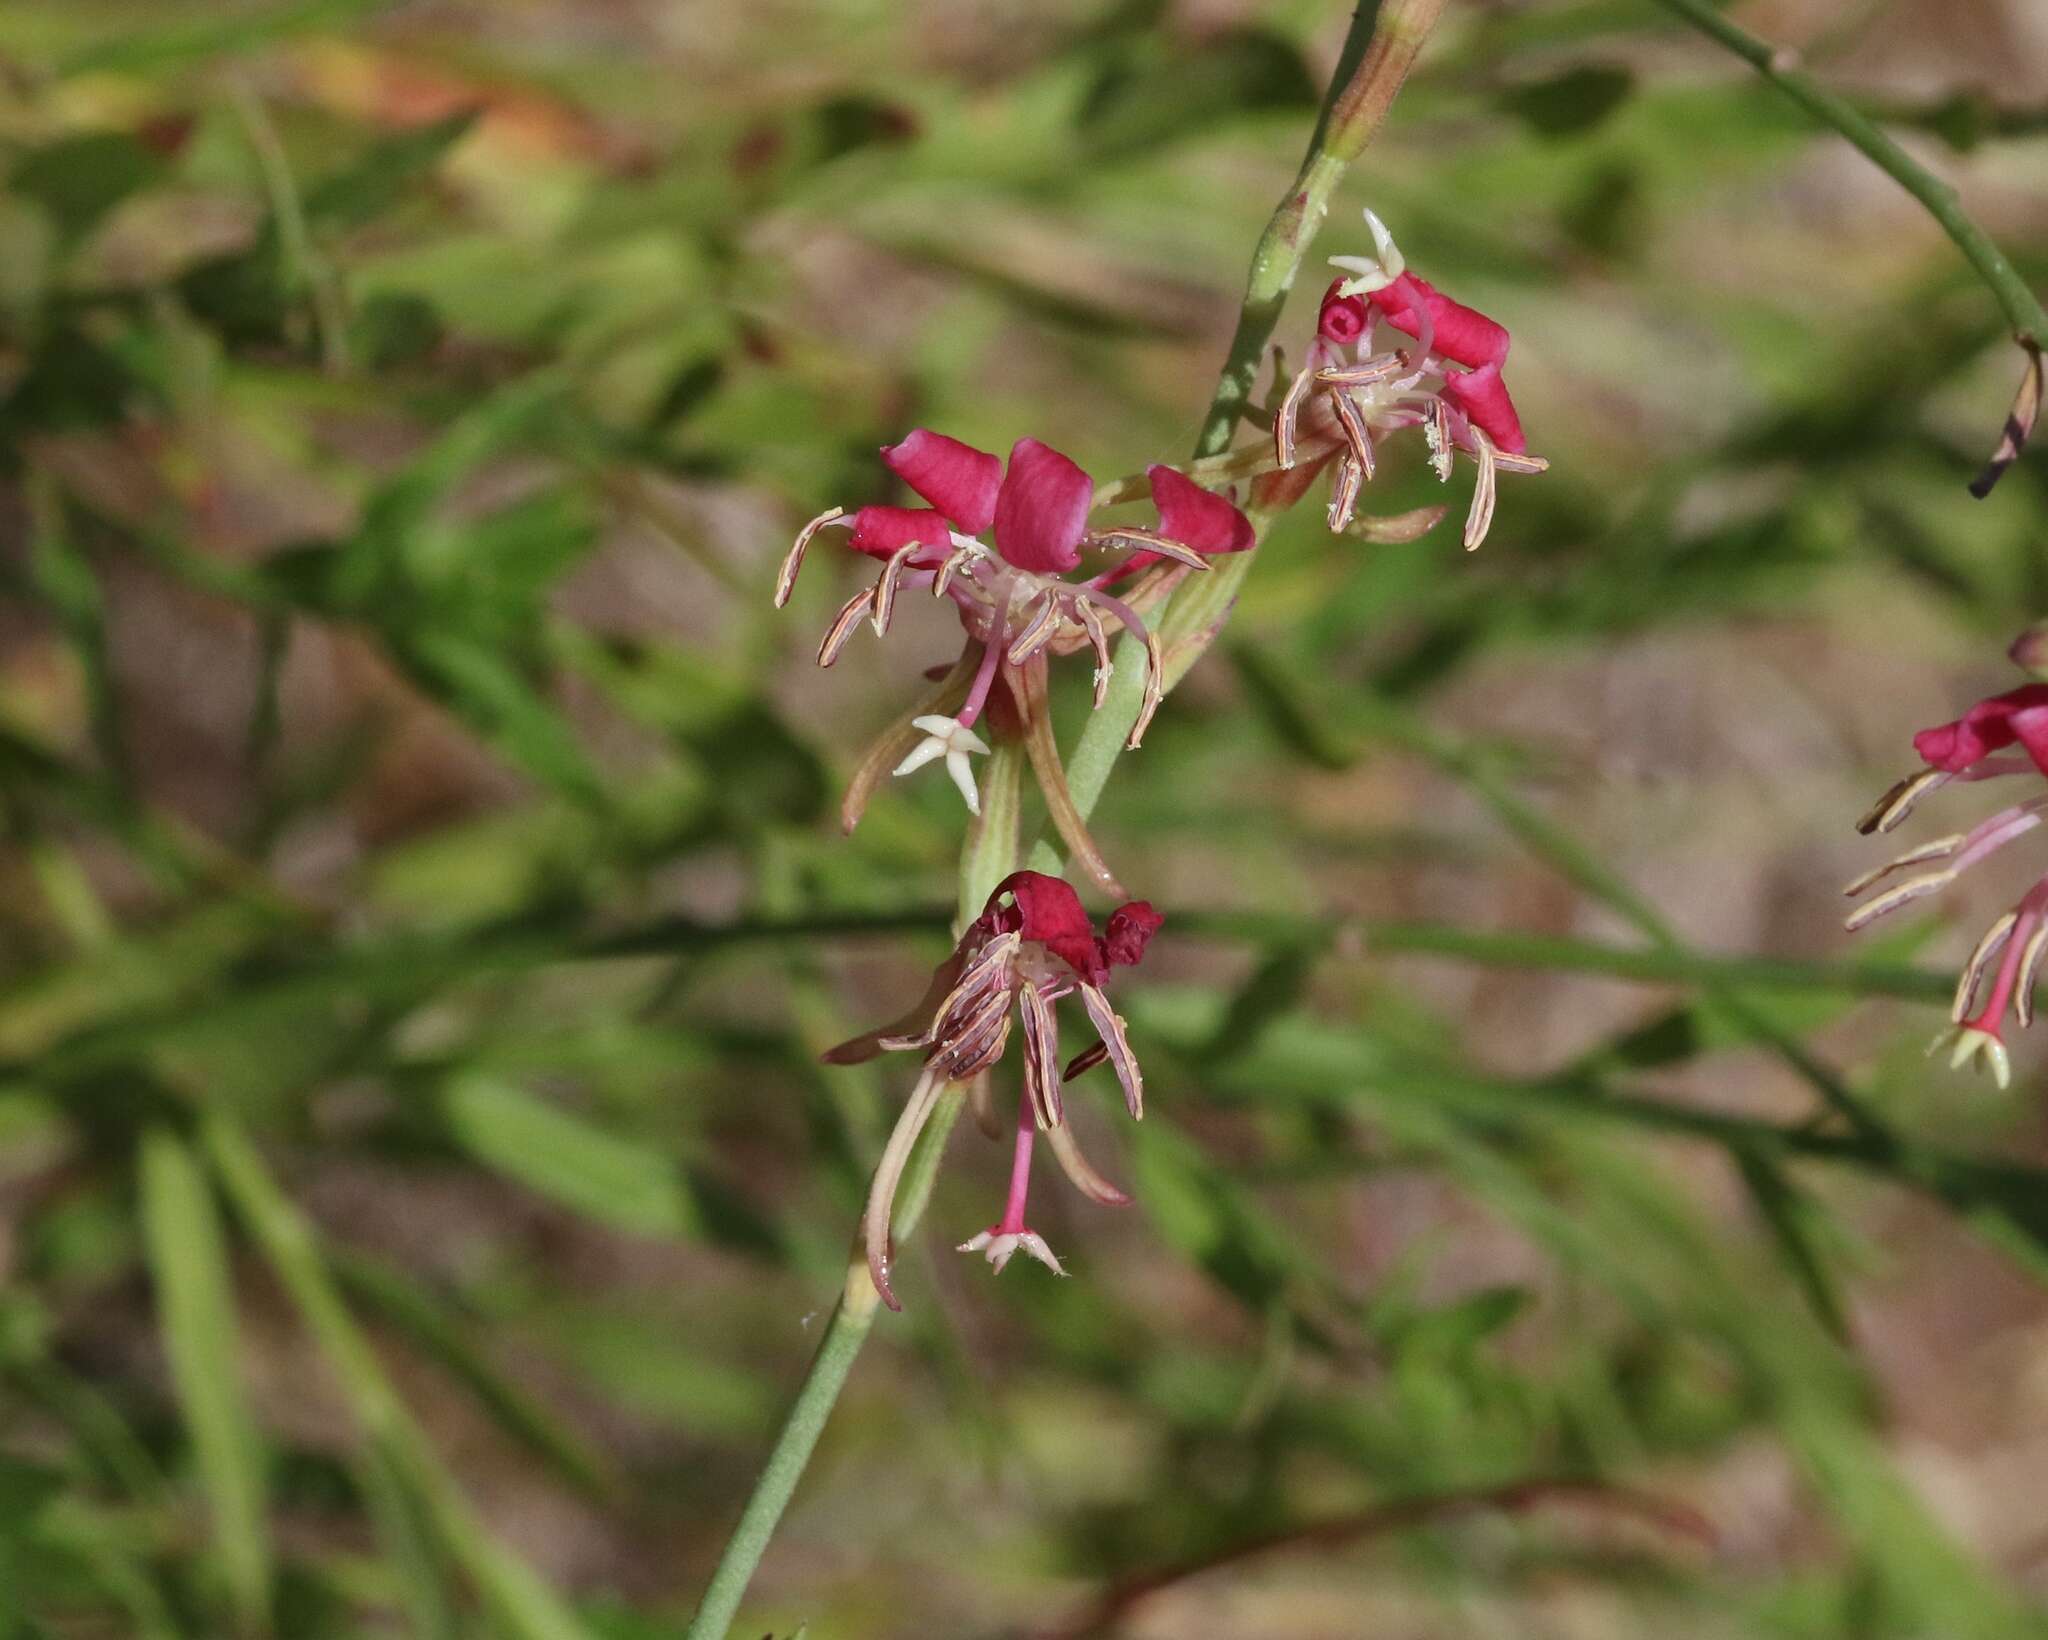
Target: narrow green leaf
{"type": "Point", "coordinates": [195, 1304]}
{"type": "Point", "coordinates": [615, 1181]}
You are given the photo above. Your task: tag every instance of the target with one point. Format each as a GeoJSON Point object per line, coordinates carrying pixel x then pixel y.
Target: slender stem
{"type": "Point", "coordinates": [1780, 65]}
{"type": "Point", "coordinates": [852, 1318]}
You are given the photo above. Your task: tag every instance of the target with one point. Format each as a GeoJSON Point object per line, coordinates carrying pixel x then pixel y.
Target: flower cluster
{"type": "Point", "coordinates": [1448, 382]}
{"type": "Point", "coordinates": [1976, 746]}
{"type": "Point", "coordinates": [1015, 548]}
{"type": "Point", "coordinates": [1032, 945]}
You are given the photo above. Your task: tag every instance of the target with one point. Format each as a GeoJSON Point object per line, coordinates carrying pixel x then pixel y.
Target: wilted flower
{"type": "Point", "coordinates": [1448, 382]}
{"type": "Point", "coordinates": [1014, 598]}
{"type": "Point", "coordinates": [1966, 750]}
{"type": "Point", "coordinates": [1032, 945]}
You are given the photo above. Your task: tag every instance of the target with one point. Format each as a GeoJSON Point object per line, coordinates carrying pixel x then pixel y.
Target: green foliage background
{"type": "Point", "coordinates": [424, 901]}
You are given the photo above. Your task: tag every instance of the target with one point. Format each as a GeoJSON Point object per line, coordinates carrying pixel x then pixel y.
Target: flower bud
{"type": "Point", "coordinates": [2029, 650]}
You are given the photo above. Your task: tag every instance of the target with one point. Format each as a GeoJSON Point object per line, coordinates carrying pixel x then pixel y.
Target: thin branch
{"type": "Point", "coordinates": [1781, 66]}
{"type": "Point", "coordinates": [1115, 1603]}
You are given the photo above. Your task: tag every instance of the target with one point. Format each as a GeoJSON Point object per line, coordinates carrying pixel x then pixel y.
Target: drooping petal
{"type": "Point", "coordinates": [1129, 931]}
{"type": "Point", "coordinates": [1483, 396]}
{"type": "Point", "coordinates": [1042, 509]}
{"type": "Point", "coordinates": [1066, 1151]}
{"type": "Point", "coordinates": [2020, 716]}
{"type": "Point", "coordinates": [1049, 912]}
{"type": "Point", "coordinates": [1196, 517]}
{"type": "Point", "coordinates": [956, 478]}
{"type": "Point", "coordinates": [882, 532]}
{"type": "Point", "coordinates": [881, 1252]}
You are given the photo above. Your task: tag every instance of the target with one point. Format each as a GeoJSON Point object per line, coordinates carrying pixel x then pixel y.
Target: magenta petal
{"type": "Point", "coordinates": [1196, 517]}
{"type": "Point", "coordinates": [1129, 931]}
{"type": "Point", "coordinates": [881, 531]}
{"type": "Point", "coordinates": [956, 478]}
{"type": "Point", "coordinates": [1049, 912]}
{"type": "Point", "coordinates": [1042, 510]}
{"type": "Point", "coordinates": [2019, 715]}
{"type": "Point", "coordinates": [1483, 396]}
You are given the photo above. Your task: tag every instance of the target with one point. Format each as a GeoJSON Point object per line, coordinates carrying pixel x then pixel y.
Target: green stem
{"type": "Point", "coordinates": [852, 1319]}
{"type": "Point", "coordinates": [1780, 66]}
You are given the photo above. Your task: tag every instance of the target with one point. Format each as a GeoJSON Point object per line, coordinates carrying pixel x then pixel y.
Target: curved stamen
{"type": "Point", "coordinates": [1286, 419]}
{"type": "Point", "coordinates": [1344, 493]}
{"type": "Point", "coordinates": [1988, 947]}
{"type": "Point", "coordinates": [1892, 808]}
{"type": "Point", "coordinates": [843, 624]}
{"type": "Point", "coordinates": [785, 582]}
{"type": "Point", "coordinates": [1037, 632]}
{"type": "Point", "coordinates": [1480, 519]}
{"type": "Point", "coordinates": [1155, 663]}
{"type": "Point", "coordinates": [1355, 433]}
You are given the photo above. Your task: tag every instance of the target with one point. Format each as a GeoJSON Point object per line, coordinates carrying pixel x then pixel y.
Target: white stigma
{"type": "Point", "coordinates": [1371, 273]}
{"type": "Point", "coordinates": [1967, 1044]}
{"type": "Point", "coordinates": [951, 739]}
{"type": "Point", "coordinates": [1001, 1248]}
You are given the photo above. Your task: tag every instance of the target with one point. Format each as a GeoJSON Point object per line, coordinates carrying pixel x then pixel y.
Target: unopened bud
{"type": "Point", "coordinates": [2029, 650]}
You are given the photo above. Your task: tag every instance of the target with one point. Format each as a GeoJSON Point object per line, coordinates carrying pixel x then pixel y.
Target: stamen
{"type": "Point", "coordinates": [843, 625]}
{"type": "Point", "coordinates": [885, 587]}
{"type": "Point", "coordinates": [1973, 971]}
{"type": "Point", "coordinates": [1480, 519]}
{"type": "Point", "coordinates": [2030, 965]}
{"type": "Point", "coordinates": [1355, 433]}
{"type": "Point", "coordinates": [1084, 1061]}
{"type": "Point", "coordinates": [1150, 541]}
{"type": "Point", "coordinates": [1437, 430]}
{"type": "Point", "coordinates": [1036, 633]}
{"type": "Point", "coordinates": [1155, 689]}
{"type": "Point", "coordinates": [1892, 808]}
{"type": "Point", "coordinates": [1110, 1026]}
{"type": "Point", "coordinates": [1041, 1055]}
{"type": "Point", "coordinates": [1914, 888]}
{"type": "Point", "coordinates": [1285, 418]}
{"type": "Point", "coordinates": [1382, 369]}
{"type": "Point", "coordinates": [785, 583]}
{"type": "Point", "coordinates": [1940, 849]}
{"type": "Point", "coordinates": [954, 559]}
{"type": "Point", "coordinates": [1519, 463]}
{"type": "Point", "coordinates": [1098, 640]}
{"type": "Point", "coordinates": [1344, 493]}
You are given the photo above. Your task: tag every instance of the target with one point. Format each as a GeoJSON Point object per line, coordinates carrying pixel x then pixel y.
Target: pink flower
{"type": "Point", "coordinates": [1448, 383]}
{"type": "Point", "coordinates": [1968, 750]}
{"type": "Point", "coordinates": [1032, 945]}
{"type": "Point", "coordinates": [1012, 593]}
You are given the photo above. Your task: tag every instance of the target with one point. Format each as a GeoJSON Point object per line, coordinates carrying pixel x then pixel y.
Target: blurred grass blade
{"type": "Point", "coordinates": [615, 1181]}
{"type": "Point", "coordinates": [128, 51]}
{"type": "Point", "coordinates": [195, 1305]}
{"type": "Point", "coordinates": [408, 1307]}
{"type": "Point", "coordinates": [407, 1538]}
{"type": "Point", "coordinates": [520, 1600]}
